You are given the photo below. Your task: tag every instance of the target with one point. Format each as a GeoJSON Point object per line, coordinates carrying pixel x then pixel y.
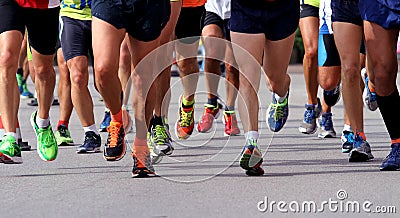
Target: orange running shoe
{"type": "Point", "coordinates": [211, 113]}
{"type": "Point", "coordinates": [185, 124]}
{"type": "Point", "coordinates": [231, 126]}
{"type": "Point", "coordinates": [115, 147]}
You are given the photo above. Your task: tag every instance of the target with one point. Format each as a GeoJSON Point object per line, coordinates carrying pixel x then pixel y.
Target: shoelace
{"type": "Point", "coordinates": [277, 110]}
{"type": "Point", "coordinates": [326, 121]}
{"type": "Point", "coordinates": [309, 115]}
{"type": "Point", "coordinates": [160, 134]}
{"type": "Point", "coordinates": [113, 135]}
{"type": "Point", "coordinates": [186, 118]}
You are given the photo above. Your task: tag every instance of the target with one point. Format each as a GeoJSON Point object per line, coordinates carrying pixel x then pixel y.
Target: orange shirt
{"type": "Point", "coordinates": [193, 3]}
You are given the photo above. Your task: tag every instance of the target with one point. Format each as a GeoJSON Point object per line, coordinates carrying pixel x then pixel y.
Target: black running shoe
{"type": "Point", "coordinates": [115, 147]}
{"type": "Point", "coordinates": [142, 166]}
{"type": "Point", "coordinates": [24, 145]}
{"type": "Point", "coordinates": [332, 97]}
{"type": "Point", "coordinates": [91, 144]}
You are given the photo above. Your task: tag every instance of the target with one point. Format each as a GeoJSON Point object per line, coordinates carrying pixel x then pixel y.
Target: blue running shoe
{"type": "Point", "coordinates": [251, 159]}
{"type": "Point", "coordinates": [332, 97]}
{"type": "Point", "coordinates": [106, 121]}
{"type": "Point", "coordinates": [91, 144]}
{"type": "Point", "coordinates": [361, 151]}
{"type": "Point", "coordinates": [309, 124]}
{"type": "Point", "coordinates": [392, 161]}
{"type": "Point", "coordinates": [277, 114]}
{"type": "Point", "coordinates": [369, 98]}
{"type": "Point", "coordinates": [347, 139]}
{"type": "Point", "coordinates": [326, 126]}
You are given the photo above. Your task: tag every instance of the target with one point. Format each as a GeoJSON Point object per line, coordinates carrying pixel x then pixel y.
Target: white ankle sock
{"type": "Point", "coordinates": [91, 128]}
{"type": "Point", "coordinates": [347, 128]}
{"type": "Point", "coordinates": [279, 98]}
{"type": "Point", "coordinates": [251, 135]}
{"type": "Point", "coordinates": [13, 134]}
{"type": "Point", "coordinates": [42, 123]}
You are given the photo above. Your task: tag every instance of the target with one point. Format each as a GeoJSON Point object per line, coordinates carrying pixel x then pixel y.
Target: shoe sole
{"type": "Point", "coordinates": [143, 173]}
{"type": "Point", "coordinates": [330, 136]}
{"type": "Point", "coordinates": [232, 134]}
{"type": "Point", "coordinates": [10, 160]}
{"type": "Point", "coordinates": [25, 97]}
{"type": "Point", "coordinates": [247, 158]}
{"type": "Point", "coordinates": [356, 156]}
{"type": "Point", "coordinates": [304, 130]}
{"type": "Point", "coordinates": [103, 130]}
{"type": "Point", "coordinates": [83, 151]}
{"type": "Point", "coordinates": [65, 144]}
{"type": "Point", "coordinates": [391, 168]}
{"type": "Point", "coordinates": [255, 172]}
{"type": "Point", "coordinates": [371, 106]}
{"type": "Point", "coordinates": [345, 151]}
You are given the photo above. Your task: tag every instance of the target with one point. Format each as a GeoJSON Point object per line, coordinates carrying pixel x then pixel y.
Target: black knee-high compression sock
{"type": "Point", "coordinates": [389, 106]}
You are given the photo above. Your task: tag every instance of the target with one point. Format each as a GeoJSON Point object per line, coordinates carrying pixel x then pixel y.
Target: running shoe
{"type": "Point", "coordinates": [311, 114]}
{"type": "Point", "coordinates": [127, 120]}
{"type": "Point", "coordinates": [142, 166]}
{"type": "Point", "coordinates": [154, 154]}
{"type": "Point", "coordinates": [115, 147]}
{"type": "Point", "coordinates": [161, 140]}
{"type": "Point", "coordinates": [24, 145]}
{"type": "Point", "coordinates": [91, 144]}
{"type": "Point", "coordinates": [361, 151]}
{"type": "Point", "coordinates": [347, 139]}
{"type": "Point", "coordinates": [25, 94]}
{"type": "Point", "coordinates": [369, 97]}
{"type": "Point", "coordinates": [231, 126]}
{"type": "Point", "coordinates": [20, 80]}
{"type": "Point", "coordinates": [392, 161]}
{"type": "Point", "coordinates": [47, 147]}
{"type": "Point", "coordinates": [277, 114]}
{"type": "Point", "coordinates": [326, 126]}
{"type": "Point", "coordinates": [332, 97]}
{"type": "Point", "coordinates": [251, 159]}
{"type": "Point", "coordinates": [185, 124]}
{"type": "Point", "coordinates": [10, 151]}
{"type": "Point", "coordinates": [106, 121]}
{"type": "Point", "coordinates": [34, 102]}
{"type": "Point", "coordinates": [63, 136]}
{"type": "Point", "coordinates": [211, 113]}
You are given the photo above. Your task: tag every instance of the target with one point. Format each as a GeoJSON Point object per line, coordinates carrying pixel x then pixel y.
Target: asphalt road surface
{"type": "Point", "coordinates": [203, 178]}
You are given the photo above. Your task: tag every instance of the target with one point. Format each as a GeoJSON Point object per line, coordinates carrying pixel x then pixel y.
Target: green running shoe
{"type": "Point", "coordinates": [46, 142]}
{"type": "Point", "coordinates": [251, 159]}
{"type": "Point", "coordinates": [25, 94]}
{"type": "Point", "coordinates": [154, 154]}
{"type": "Point", "coordinates": [20, 79]}
{"type": "Point", "coordinates": [63, 136]}
{"type": "Point", "coordinates": [10, 151]}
